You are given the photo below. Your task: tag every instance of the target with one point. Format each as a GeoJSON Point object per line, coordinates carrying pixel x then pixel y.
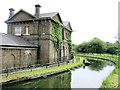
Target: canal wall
{"type": "Point", "coordinates": [32, 78]}
{"type": "Point", "coordinates": [98, 58]}
{"type": "Point", "coordinates": [65, 68]}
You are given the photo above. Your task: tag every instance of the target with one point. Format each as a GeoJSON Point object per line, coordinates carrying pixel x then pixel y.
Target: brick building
{"type": "Point", "coordinates": [35, 39]}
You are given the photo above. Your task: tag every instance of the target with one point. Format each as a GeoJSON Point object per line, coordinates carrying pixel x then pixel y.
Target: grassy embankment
{"type": "Point", "coordinates": [42, 72]}
{"type": "Point", "coordinates": [112, 80]}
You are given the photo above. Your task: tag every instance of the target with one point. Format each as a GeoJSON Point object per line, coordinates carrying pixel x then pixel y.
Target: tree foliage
{"type": "Point", "coordinates": [97, 46]}
{"type": "Point", "coordinates": [112, 48]}
{"type": "Point", "coordinates": [74, 48]}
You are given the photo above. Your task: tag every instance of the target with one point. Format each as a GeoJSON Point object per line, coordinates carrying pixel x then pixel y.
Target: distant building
{"type": "Point", "coordinates": [35, 39]}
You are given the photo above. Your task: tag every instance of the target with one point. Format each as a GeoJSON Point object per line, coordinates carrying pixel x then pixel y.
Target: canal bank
{"type": "Point", "coordinates": [80, 77]}
{"type": "Point", "coordinates": [112, 80]}
{"type": "Point", "coordinates": [90, 76]}
{"type": "Point", "coordinates": [30, 74]}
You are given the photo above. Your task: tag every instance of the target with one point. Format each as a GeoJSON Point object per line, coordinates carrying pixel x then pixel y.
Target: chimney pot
{"type": "Point", "coordinates": [37, 5]}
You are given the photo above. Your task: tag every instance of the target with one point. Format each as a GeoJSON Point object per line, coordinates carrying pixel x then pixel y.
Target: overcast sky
{"type": "Point", "coordinates": [88, 18]}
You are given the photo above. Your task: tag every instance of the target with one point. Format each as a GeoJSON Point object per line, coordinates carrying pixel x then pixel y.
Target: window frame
{"type": "Point", "coordinates": [18, 30]}
{"type": "Point", "coordinates": [26, 30]}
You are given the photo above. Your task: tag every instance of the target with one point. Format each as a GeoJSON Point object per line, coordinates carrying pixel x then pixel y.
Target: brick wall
{"type": "Point", "coordinates": [18, 57]}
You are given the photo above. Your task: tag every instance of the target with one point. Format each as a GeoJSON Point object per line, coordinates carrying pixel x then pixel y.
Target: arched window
{"type": "Point", "coordinates": [11, 61]}
{"type": "Point", "coordinates": [30, 58]}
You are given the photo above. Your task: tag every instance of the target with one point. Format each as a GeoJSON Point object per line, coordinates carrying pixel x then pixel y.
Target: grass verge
{"type": "Point", "coordinates": [43, 71]}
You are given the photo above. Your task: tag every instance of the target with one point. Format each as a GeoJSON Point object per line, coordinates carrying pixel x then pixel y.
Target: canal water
{"type": "Point", "coordinates": [90, 76]}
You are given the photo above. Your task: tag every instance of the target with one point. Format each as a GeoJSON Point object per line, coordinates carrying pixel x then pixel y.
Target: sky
{"type": "Point", "coordinates": [88, 18]}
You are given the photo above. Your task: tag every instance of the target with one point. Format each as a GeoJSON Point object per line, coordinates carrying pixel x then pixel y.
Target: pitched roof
{"type": "Point", "coordinates": [67, 25]}
{"type": "Point", "coordinates": [21, 10]}
{"type": "Point", "coordinates": [45, 16]}
{"type": "Point", "coordinates": [42, 15]}
{"type": "Point", "coordinates": [12, 40]}
{"type": "Point", "coordinates": [51, 15]}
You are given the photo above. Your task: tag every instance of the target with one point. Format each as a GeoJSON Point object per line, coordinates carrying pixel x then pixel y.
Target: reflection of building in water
{"type": "Point", "coordinates": [62, 80]}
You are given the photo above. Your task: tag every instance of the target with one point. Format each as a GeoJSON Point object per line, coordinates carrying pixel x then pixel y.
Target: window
{"type": "Point", "coordinates": [17, 30]}
{"type": "Point", "coordinates": [26, 30]}
{"type": "Point", "coordinates": [66, 34]}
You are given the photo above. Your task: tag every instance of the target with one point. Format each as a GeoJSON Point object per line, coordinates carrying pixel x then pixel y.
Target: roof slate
{"type": "Point", "coordinates": [42, 15]}
{"type": "Point", "coordinates": [7, 39]}
{"type": "Point", "coordinates": [51, 15]}
{"type": "Point", "coordinates": [67, 25]}
{"type": "Point", "coordinates": [21, 10]}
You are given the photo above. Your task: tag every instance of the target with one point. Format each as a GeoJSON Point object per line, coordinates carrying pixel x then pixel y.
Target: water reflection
{"type": "Point", "coordinates": [58, 81]}
{"type": "Point", "coordinates": [98, 65]}
{"type": "Point", "coordinates": [86, 77]}
{"type": "Point", "coordinates": [91, 76]}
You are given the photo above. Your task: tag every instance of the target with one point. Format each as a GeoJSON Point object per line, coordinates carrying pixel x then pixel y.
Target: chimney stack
{"type": "Point", "coordinates": [11, 10]}
{"type": "Point", "coordinates": [37, 10]}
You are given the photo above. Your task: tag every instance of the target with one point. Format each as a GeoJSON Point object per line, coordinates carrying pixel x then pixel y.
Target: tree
{"type": "Point", "coordinates": [83, 47]}
{"type": "Point", "coordinates": [96, 46]}
{"type": "Point", "coordinates": [111, 50]}
{"type": "Point", "coordinates": [74, 48]}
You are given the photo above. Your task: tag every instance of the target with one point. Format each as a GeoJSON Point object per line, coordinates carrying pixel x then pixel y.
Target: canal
{"type": "Point", "coordinates": [90, 76]}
